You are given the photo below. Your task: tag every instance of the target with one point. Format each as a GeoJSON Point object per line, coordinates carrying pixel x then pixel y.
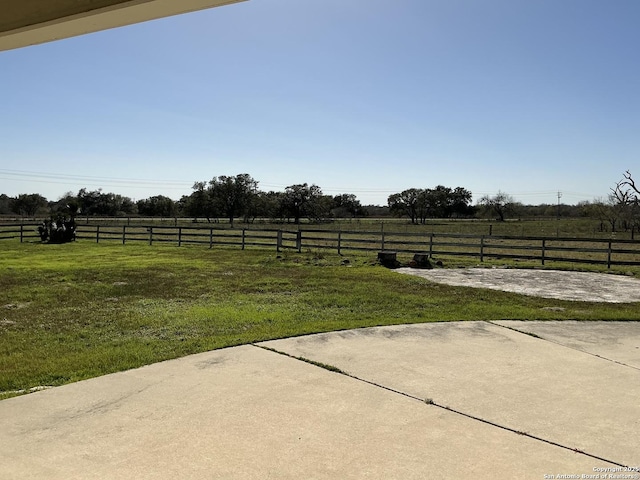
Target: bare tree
{"type": "Point", "coordinates": [628, 181]}
{"type": "Point", "coordinates": [605, 210]}
{"type": "Point", "coordinates": [501, 204]}
{"type": "Point", "coordinates": [626, 198]}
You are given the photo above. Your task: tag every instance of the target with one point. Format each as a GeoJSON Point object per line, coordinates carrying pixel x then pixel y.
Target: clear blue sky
{"type": "Point", "coordinates": [370, 97]}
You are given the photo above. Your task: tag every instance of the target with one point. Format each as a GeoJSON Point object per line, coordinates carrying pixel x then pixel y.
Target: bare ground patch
{"type": "Point", "coordinates": [562, 285]}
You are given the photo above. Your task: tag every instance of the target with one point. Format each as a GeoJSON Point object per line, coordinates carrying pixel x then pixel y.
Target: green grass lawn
{"type": "Point", "coordinates": [74, 311]}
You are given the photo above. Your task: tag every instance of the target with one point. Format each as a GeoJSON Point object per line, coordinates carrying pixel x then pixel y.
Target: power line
{"type": "Point", "coordinates": [57, 178]}
{"type": "Point", "coordinates": [139, 183]}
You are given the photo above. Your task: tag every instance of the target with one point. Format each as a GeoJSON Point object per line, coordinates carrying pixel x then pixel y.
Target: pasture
{"type": "Point", "coordinates": [74, 311]}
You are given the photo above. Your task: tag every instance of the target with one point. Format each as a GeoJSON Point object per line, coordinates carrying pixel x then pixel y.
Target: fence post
{"type": "Point", "coordinates": [609, 255]}
{"type": "Point", "coordinates": [97, 233]}
{"type": "Point", "coordinates": [150, 235]}
{"type": "Point", "coordinates": [490, 229]}
{"type": "Point", "coordinates": [279, 241]}
{"type": "Point", "coordinates": [431, 245]}
{"type": "Point", "coordinates": [124, 234]}
{"type": "Point", "coordinates": [482, 248]}
{"type": "Point", "coordinates": [21, 232]}
{"type": "Point", "coordinates": [544, 249]}
{"type": "Point", "coordinates": [210, 237]}
{"type": "Point", "coordinates": [299, 241]}
{"type": "Point", "coordinates": [243, 237]}
{"type": "Point", "coordinates": [382, 236]}
{"type": "Point", "coordinates": [339, 242]}
{"type": "Point", "coordinates": [179, 236]}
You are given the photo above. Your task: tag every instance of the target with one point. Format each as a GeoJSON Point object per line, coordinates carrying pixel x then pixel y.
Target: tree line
{"type": "Point", "coordinates": [234, 198]}
{"type": "Point", "coordinates": [239, 198]}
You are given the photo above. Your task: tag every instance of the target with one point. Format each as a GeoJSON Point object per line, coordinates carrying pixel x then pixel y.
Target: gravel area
{"type": "Point", "coordinates": [563, 285]}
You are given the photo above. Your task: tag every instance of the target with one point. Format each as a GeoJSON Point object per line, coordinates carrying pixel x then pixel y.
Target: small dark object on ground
{"type": "Point", "coordinates": [420, 260]}
{"type": "Point", "coordinates": [388, 259]}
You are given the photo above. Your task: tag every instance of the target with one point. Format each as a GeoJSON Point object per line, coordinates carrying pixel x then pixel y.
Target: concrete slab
{"type": "Point", "coordinates": [562, 285]}
{"type": "Point", "coordinates": [496, 374]}
{"type": "Point", "coordinates": [617, 341]}
{"type": "Point", "coordinates": [247, 412]}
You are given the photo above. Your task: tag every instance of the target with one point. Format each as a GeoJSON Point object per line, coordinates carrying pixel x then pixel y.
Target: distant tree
{"type": "Point", "coordinates": [5, 204]}
{"type": "Point", "coordinates": [28, 204]}
{"type": "Point", "coordinates": [435, 203]}
{"type": "Point", "coordinates": [424, 206]}
{"type": "Point", "coordinates": [127, 205]}
{"type": "Point", "coordinates": [405, 203]}
{"type": "Point", "coordinates": [157, 206]}
{"type": "Point", "coordinates": [270, 205]}
{"type": "Point", "coordinates": [501, 204]}
{"type": "Point", "coordinates": [233, 195]}
{"type": "Point", "coordinates": [89, 201]}
{"type": "Point", "coordinates": [66, 205]}
{"type": "Point", "coordinates": [604, 210]}
{"type": "Point", "coordinates": [347, 205]}
{"type": "Point", "coordinates": [442, 201]}
{"type": "Point", "coordinates": [107, 204]}
{"type": "Point", "coordinates": [302, 200]}
{"type": "Point", "coordinates": [377, 210]}
{"type": "Point", "coordinates": [321, 208]}
{"type": "Point", "coordinates": [461, 202]}
{"type": "Point", "coordinates": [625, 198]}
{"type": "Point", "coordinates": [439, 202]}
{"type": "Point", "coordinates": [199, 203]}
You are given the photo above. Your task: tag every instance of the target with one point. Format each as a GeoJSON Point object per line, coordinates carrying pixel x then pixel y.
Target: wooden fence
{"type": "Point", "coordinates": [609, 252]}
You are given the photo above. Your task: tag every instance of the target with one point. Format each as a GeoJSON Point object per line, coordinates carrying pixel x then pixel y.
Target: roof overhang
{"type": "Point", "coordinates": [30, 22]}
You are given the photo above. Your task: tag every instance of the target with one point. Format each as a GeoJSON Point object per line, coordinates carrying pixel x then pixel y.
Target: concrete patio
{"type": "Point", "coordinates": [442, 400]}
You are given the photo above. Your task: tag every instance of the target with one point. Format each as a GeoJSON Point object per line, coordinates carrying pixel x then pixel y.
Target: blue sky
{"type": "Point", "coordinates": [361, 96]}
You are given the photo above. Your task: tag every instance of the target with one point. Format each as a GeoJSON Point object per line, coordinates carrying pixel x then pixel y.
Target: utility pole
{"type": "Point", "coordinates": [559, 197]}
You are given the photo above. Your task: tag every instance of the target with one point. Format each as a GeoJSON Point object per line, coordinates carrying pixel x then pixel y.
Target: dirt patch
{"type": "Point", "coordinates": [15, 306]}
{"type": "Point", "coordinates": [577, 286]}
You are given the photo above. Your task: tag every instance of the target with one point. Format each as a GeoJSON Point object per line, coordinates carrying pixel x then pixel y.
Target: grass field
{"type": "Point", "coordinates": [567, 227]}
{"type": "Point", "coordinates": [74, 311]}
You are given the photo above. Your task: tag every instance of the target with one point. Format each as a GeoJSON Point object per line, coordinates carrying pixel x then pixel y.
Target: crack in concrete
{"type": "Point", "coordinates": [535, 335]}
{"type": "Point", "coordinates": [429, 401]}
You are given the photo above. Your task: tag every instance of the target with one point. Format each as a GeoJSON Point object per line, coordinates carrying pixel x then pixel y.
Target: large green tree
{"type": "Point", "coordinates": [199, 203]}
{"type": "Point", "coordinates": [233, 195]}
{"type": "Point", "coordinates": [157, 206]}
{"type": "Point", "coordinates": [406, 203]}
{"type": "Point", "coordinates": [67, 205]}
{"type": "Point", "coordinates": [461, 202]}
{"type": "Point", "coordinates": [303, 200]}
{"type": "Point", "coordinates": [5, 204]}
{"type": "Point", "coordinates": [28, 204]}
{"type": "Point", "coordinates": [422, 203]}
{"type": "Point", "coordinates": [106, 204]}
{"type": "Point", "coordinates": [269, 205]}
{"type": "Point", "coordinates": [347, 204]}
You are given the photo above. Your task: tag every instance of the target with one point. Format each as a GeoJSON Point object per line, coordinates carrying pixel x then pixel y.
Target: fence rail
{"type": "Point", "coordinates": [609, 252]}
